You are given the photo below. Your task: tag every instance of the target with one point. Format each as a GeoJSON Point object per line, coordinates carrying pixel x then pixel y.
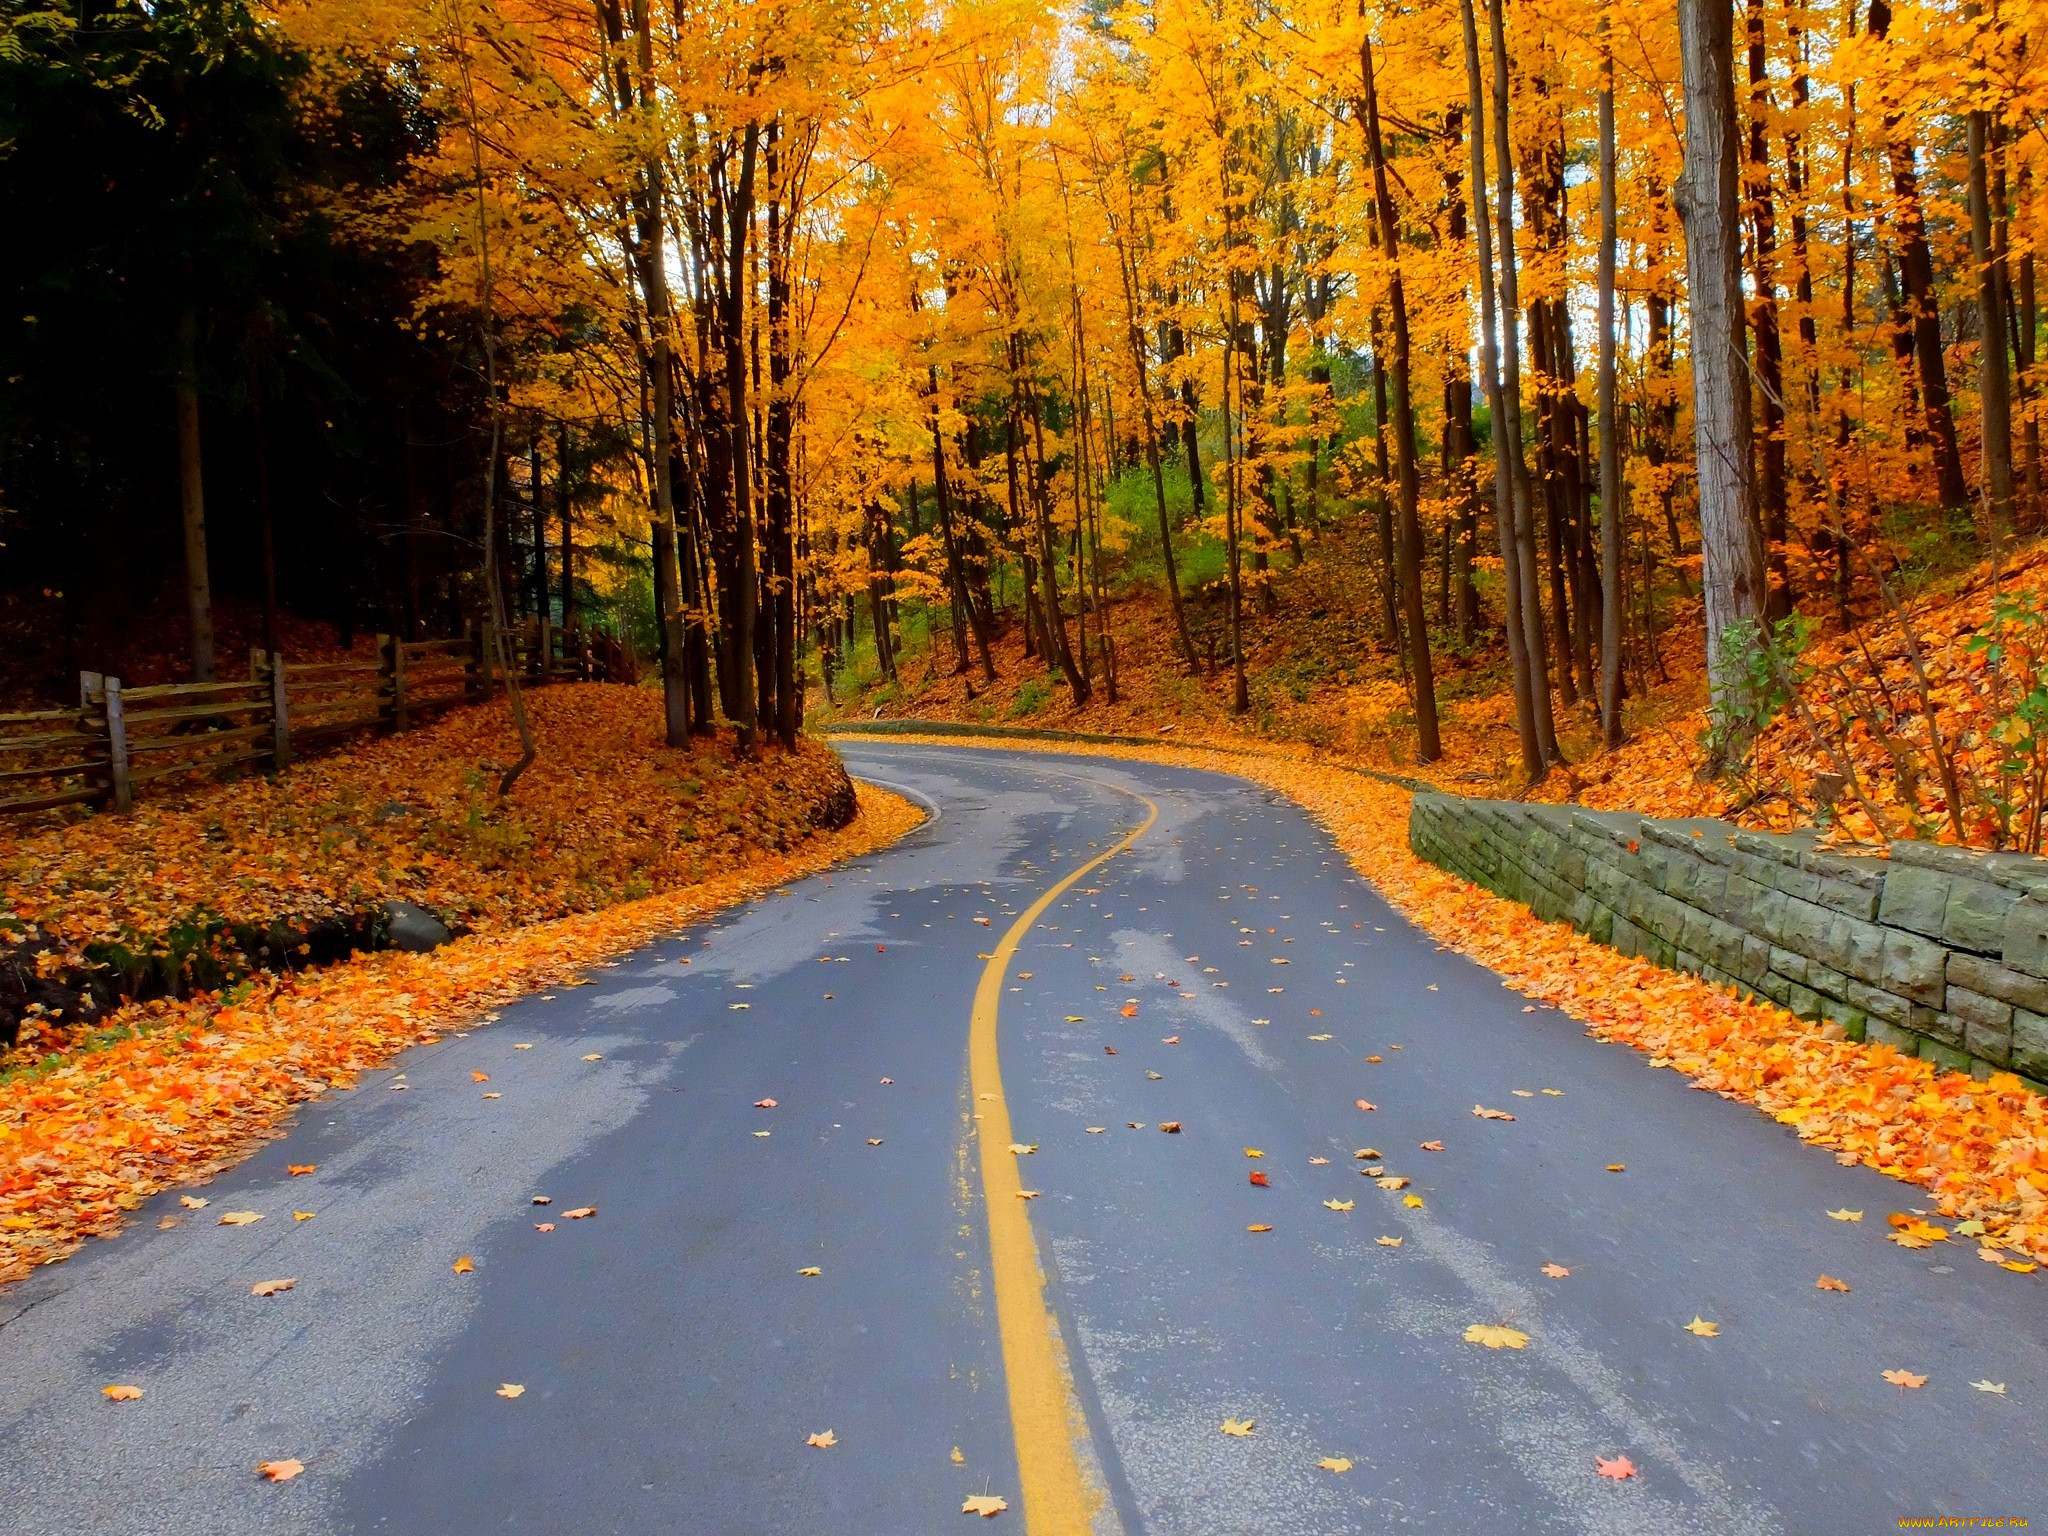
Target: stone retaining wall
{"type": "Point", "coordinates": [1939, 951]}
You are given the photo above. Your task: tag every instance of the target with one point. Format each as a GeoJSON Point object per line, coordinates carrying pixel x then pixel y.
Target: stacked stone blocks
{"type": "Point", "coordinates": [1942, 952]}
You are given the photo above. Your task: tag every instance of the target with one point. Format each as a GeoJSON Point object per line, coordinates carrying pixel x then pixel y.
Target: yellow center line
{"type": "Point", "coordinates": [1045, 1415]}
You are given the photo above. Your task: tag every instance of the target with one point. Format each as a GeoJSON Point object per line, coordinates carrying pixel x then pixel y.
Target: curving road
{"type": "Point", "coordinates": [1074, 1351]}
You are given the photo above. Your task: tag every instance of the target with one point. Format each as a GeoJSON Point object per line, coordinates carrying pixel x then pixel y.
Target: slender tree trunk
{"type": "Point", "coordinates": [1610, 423]}
{"type": "Point", "coordinates": [192, 494]}
{"type": "Point", "coordinates": [1489, 368]}
{"type": "Point", "coordinates": [1707, 197]}
{"type": "Point", "coordinates": [1429, 746]}
{"type": "Point", "coordinates": [1508, 429]}
{"type": "Point", "coordinates": [1770, 348]}
{"type": "Point", "coordinates": [740, 220]}
{"type": "Point", "coordinates": [1994, 381]}
{"type": "Point", "coordinates": [1383, 501]}
{"type": "Point", "coordinates": [1916, 274]}
{"type": "Point", "coordinates": [266, 530]}
{"type": "Point", "coordinates": [565, 510]}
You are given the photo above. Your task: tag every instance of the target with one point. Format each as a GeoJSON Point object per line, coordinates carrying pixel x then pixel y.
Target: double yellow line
{"type": "Point", "coordinates": [1060, 1499]}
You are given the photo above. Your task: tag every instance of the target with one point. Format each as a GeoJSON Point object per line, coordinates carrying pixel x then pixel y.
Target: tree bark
{"type": "Point", "coordinates": [192, 493]}
{"type": "Point", "coordinates": [1708, 202]}
{"type": "Point", "coordinates": [1507, 431]}
{"type": "Point", "coordinates": [1489, 368]}
{"type": "Point", "coordinates": [1994, 381]}
{"type": "Point", "coordinates": [1610, 423]}
{"type": "Point", "coordinates": [1429, 746]}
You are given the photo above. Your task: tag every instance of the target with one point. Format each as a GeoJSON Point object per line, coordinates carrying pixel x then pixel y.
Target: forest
{"type": "Point", "coordinates": [1486, 367]}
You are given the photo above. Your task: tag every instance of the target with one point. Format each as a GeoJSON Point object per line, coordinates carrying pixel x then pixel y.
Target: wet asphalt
{"type": "Point", "coordinates": [674, 1358]}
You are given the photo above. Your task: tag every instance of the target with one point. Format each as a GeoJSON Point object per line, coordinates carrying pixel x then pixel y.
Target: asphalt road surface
{"type": "Point", "coordinates": [1073, 1352]}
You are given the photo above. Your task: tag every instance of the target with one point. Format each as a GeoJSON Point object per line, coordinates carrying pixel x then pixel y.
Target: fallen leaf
{"type": "Point", "coordinates": [479, 1077]}
{"type": "Point", "coordinates": [1259, 1227]}
{"type": "Point", "coordinates": [239, 1218]}
{"type": "Point", "coordinates": [580, 1212]}
{"type": "Point", "coordinates": [1555, 1093]}
{"type": "Point", "coordinates": [813, 1270]}
{"type": "Point", "coordinates": [543, 1226]}
{"type": "Point", "coordinates": [271, 1287]}
{"type": "Point", "coordinates": [823, 1439]}
{"type": "Point", "coordinates": [1075, 1018]}
{"type": "Point", "coordinates": [764, 1104]}
{"type": "Point", "coordinates": [303, 1215]}
{"type": "Point", "coordinates": [121, 1394]}
{"type": "Point", "coordinates": [595, 1056]}
{"type": "Point", "coordinates": [2019, 1267]}
{"type": "Point", "coordinates": [1494, 1336]}
{"type": "Point", "coordinates": [1618, 1468]}
{"type": "Point", "coordinates": [1990, 1386]}
{"type": "Point", "coordinates": [465, 1265]}
{"type": "Point", "coordinates": [1335, 1464]}
{"type": "Point", "coordinates": [764, 1133]}
{"type": "Point", "coordinates": [987, 1505]}
{"type": "Point", "coordinates": [1393, 1182]}
{"type": "Point", "coordinates": [510, 1389]}
{"type": "Point", "coordinates": [281, 1471]}
{"type": "Point", "coordinates": [1027, 1194]}
{"type": "Point", "coordinates": [1109, 1050]}
{"type": "Point", "coordinates": [1521, 1093]}
{"type": "Point", "coordinates": [1388, 1242]}
{"type": "Point", "coordinates": [1171, 1127]}
{"type": "Point", "coordinates": [1432, 1146]}
{"type": "Point", "coordinates": [1022, 1150]}
{"type": "Point", "coordinates": [959, 1460]}
{"type": "Point", "coordinates": [1338, 1205]}
{"type": "Point", "coordinates": [1322, 1037]}
{"type": "Point", "coordinates": [1905, 1379]}
{"type": "Point", "coordinates": [1830, 1283]}
{"type": "Point", "coordinates": [1241, 1428]}
{"type": "Point", "coordinates": [543, 1199]}
{"type": "Point", "coordinates": [1617, 1167]}
{"type": "Point", "coordinates": [1971, 1228]}
{"type": "Point", "coordinates": [1375, 1058]}
{"type": "Point", "coordinates": [1846, 1215]}
{"type": "Point", "coordinates": [887, 1081]}
{"type": "Point", "coordinates": [1260, 1179]}
{"type": "Point", "coordinates": [526, 1047]}
{"type": "Point", "coordinates": [1155, 1076]}
{"type": "Point", "coordinates": [165, 1223]}
{"type": "Point", "coordinates": [874, 1141]}
{"type": "Point", "coordinates": [1556, 1271]}
{"type": "Point", "coordinates": [1319, 1162]}
{"type": "Point", "coordinates": [1253, 1152]}
{"type": "Point", "coordinates": [1703, 1328]}
{"type": "Point", "coordinates": [1413, 1202]}
{"type": "Point", "coordinates": [1129, 1010]}
{"type": "Point", "coordinates": [1367, 1154]}
{"type": "Point", "coordinates": [1491, 1114]}
{"type": "Point", "coordinates": [192, 1202]}
{"type": "Point", "coordinates": [494, 1095]}
{"type": "Point", "coordinates": [1362, 1104]}
{"type": "Point", "coordinates": [298, 1169]}
{"type": "Point", "coordinates": [1096, 1130]}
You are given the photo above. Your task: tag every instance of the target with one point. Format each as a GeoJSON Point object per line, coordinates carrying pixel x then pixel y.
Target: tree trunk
{"type": "Point", "coordinates": [1507, 431]}
{"type": "Point", "coordinates": [1489, 368]}
{"type": "Point", "coordinates": [192, 494]}
{"type": "Point", "coordinates": [1916, 273]}
{"type": "Point", "coordinates": [1770, 347]}
{"type": "Point", "coordinates": [1610, 423]}
{"type": "Point", "coordinates": [1428, 745]}
{"type": "Point", "coordinates": [1708, 202]}
{"type": "Point", "coordinates": [1994, 381]}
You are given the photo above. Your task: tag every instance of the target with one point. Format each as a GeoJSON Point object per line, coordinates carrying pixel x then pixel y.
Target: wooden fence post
{"type": "Point", "coordinates": [280, 716]}
{"type": "Point", "coordinates": [546, 668]}
{"type": "Point", "coordinates": [391, 655]}
{"type": "Point", "coordinates": [122, 785]}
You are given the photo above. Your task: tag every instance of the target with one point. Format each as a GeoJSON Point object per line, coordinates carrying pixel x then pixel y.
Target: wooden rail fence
{"type": "Point", "coordinates": [118, 740]}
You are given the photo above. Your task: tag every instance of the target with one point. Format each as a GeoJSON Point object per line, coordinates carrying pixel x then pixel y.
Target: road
{"type": "Point", "coordinates": [861, 1257]}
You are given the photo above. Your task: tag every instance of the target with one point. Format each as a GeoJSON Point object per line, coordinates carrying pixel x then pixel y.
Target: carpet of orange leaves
{"type": "Point", "coordinates": [193, 1083]}
{"type": "Point", "coordinates": [199, 885]}
{"type": "Point", "coordinates": [1981, 1148]}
